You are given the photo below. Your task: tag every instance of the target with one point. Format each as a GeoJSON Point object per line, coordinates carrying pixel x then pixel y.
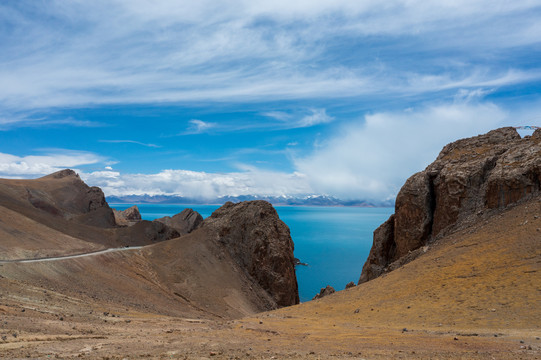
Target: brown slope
{"type": "Point", "coordinates": [59, 214]}
{"type": "Point", "coordinates": [24, 238]}
{"type": "Point", "coordinates": [452, 300]}
{"type": "Point", "coordinates": [192, 276]}
{"type": "Point", "coordinates": [62, 194]}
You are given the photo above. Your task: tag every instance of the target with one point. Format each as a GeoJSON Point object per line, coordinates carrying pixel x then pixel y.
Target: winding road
{"type": "Point", "coordinates": [65, 257]}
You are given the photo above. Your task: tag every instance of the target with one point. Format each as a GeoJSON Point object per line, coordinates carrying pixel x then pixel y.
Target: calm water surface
{"type": "Point", "coordinates": [334, 241]}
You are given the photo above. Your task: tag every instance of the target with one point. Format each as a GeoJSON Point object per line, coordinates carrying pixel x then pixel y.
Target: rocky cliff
{"type": "Point", "coordinates": [184, 222]}
{"type": "Point", "coordinates": [470, 179]}
{"type": "Point", "coordinates": [260, 243]}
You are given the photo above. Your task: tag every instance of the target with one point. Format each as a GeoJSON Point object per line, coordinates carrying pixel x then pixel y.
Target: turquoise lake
{"type": "Point", "coordinates": [333, 241]}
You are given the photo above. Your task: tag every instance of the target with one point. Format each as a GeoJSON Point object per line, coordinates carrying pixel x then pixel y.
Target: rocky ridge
{"type": "Point", "coordinates": [471, 179]}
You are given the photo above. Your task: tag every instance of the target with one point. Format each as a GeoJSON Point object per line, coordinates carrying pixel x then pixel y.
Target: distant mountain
{"type": "Point", "coordinates": [310, 200]}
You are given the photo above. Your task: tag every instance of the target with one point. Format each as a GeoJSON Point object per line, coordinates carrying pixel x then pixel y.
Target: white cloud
{"type": "Point", "coordinates": [16, 121]}
{"type": "Point", "coordinates": [291, 121]}
{"type": "Point", "coordinates": [366, 159]}
{"type": "Point", "coordinates": [198, 127]}
{"type": "Point", "coordinates": [318, 116]}
{"type": "Point", "coordinates": [129, 142]}
{"type": "Point", "coordinates": [278, 115]}
{"type": "Point", "coordinates": [203, 185]}
{"type": "Point", "coordinates": [371, 159]}
{"type": "Point", "coordinates": [143, 51]}
{"type": "Point", "coordinates": [37, 165]}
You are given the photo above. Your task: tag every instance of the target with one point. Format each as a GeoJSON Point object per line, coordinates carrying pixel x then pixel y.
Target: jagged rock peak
{"type": "Point", "coordinates": [62, 174]}
{"type": "Point", "coordinates": [260, 243]}
{"type": "Point", "coordinates": [470, 177]}
{"type": "Point", "coordinates": [127, 217]}
{"type": "Point", "coordinates": [328, 290]}
{"type": "Point", "coordinates": [184, 222]}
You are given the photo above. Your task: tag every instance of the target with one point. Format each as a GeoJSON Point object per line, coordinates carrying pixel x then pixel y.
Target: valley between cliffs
{"type": "Point", "coordinates": [458, 276]}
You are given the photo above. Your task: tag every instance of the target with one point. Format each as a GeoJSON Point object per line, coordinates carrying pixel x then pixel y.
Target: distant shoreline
{"type": "Point", "coordinates": [220, 204]}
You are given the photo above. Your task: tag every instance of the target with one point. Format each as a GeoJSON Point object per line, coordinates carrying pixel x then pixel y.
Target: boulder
{"type": "Point", "coordinates": [184, 222]}
{"type": "Point", "coordinates": [260, 243]}
{"type": "Point", "coordinates": [470, 177]}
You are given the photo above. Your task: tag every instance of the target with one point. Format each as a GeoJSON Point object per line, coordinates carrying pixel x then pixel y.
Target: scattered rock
{"type": "Point", "coordinates": [299, 263]}
{"type": "Point", "coordinates": [324, 292]}
{"type": "Point", "coordinates": [350, 285]}
{"type": "Point", "coordinates": [356, 311]}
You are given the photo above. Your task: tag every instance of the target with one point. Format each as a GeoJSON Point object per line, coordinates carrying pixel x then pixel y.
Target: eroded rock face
{"type": "Point", "coordinates": [260, 243]}
{"type": "Point", "coordinates": [471, 176]}
{"type": "Point", "coordinates": [127, 217]}
{"type": "Point", "coordinates": [184, 222]}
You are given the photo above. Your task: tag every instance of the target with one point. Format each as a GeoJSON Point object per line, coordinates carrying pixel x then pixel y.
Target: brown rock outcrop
{"type": "Point", "coordinates": [328, 290]}
{"type": "Point", "coordinates": [127, 217]}
{"type": "Point", "coordinates": [260, 243]}
{"type": "Point", "coordinates": [184, 222]}
{"type": "Point", "coordinates": [486, 173]}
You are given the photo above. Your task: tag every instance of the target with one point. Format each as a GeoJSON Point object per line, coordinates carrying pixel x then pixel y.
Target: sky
{"type": "Point", "coordinates": [269, 98]}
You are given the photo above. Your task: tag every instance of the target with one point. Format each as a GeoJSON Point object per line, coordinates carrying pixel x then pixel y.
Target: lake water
{"type": "Point", "coordinates": [333, 241]}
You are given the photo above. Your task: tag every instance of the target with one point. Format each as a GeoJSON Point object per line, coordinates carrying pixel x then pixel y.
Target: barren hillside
{"type": "Point", "coordinates": [472, 295]}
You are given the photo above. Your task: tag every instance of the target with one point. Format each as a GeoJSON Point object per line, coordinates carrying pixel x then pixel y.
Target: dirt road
{"type": "Point", "coordinates": [99, 252]}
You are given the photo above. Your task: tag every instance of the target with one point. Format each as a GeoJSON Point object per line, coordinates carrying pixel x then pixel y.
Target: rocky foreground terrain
{"type": "Point", "coordinates": [454, 274]}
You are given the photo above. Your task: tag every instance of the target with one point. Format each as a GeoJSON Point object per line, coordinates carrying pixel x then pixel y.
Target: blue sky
{"type": "Point", "coordinates": [207, 99]}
